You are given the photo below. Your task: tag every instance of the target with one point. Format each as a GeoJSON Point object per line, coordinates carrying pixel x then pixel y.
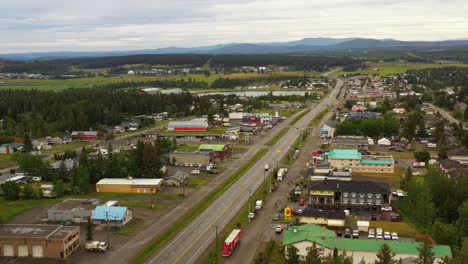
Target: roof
{"type": "Point", "coordinates": [86, 133]}
{"type": "Point", "coordinates": [115, 213]}
{"type": "Point", "coordinates": [377, 160]}
{"type": "Point", "coordinates": [69, 163]}
{"type": "Point", "coordinates": [54, 232]}
{"type": "Point", "coordinates": [130, 181]}
{"type": "Point", "coordinates": [75, 205]}
{"type": "Point", "coordinates": [218, 147]}
{"type": "Point", "coordinates": [332, 124]}
{"type": "Point", "coordinates": [458, 152]}
{"type": "Point", "coordinates": [187, 124]}
{"type": "Point", "coordinates": [344, 154]}
{"type": "Point", "coordinates": [331, 214]}
{"type": "Point", "coordinates": [327, 238]}
{"type": "Point", "coordinates": [178, 176]}
{"type": "Point", "coordinates": [350, 186]}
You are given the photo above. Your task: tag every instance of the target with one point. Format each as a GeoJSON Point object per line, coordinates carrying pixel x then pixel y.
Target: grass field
{"type": "Point", "coordinates": [388, 68]}
{"type": "Point", "coordinates": [56, 85]}
{"type": "Point", "coordinates": [6, 161]}
{"type": "Point", "coordinates": [178, 225]}
{"type": "Point", "coordinates": [135, 225]}
{"type": "Point", "coordinates": [65, 147]}
{"type": "Point", "coordinates": [277, 138]}
{"type": "Point", "coordinates": [402, 228]}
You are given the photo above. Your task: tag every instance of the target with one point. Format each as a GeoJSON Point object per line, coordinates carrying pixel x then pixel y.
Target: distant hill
{"type": "Point", "coordinates": [306, 45]}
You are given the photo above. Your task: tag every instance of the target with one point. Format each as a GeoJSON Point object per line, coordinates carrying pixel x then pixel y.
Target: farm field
{"type": "Point", "coordinates": [387, 68]}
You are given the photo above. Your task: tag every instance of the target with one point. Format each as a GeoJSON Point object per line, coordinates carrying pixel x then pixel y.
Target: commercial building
{"type": "Point", "coordinates": [39, 241]}
{"type": "Point", "coordinates": [192, 157]}
{"type": "Point", "coordinates": [220, 150]}
{"type": "Point", "coordinates": [116, 216]}
{"type": "Point", "coordinates": [187, 126]}
{"type": "Point", "coordinates": [303, 237]}
{"type": "Point", "coordinates": [321, 171]}
{"type": "Point", "coordinates": [176, 179]}
{"type": "Point", "coordinates": [349, 193]}
{"type": "Point", "coordinates": [329, 128]}
{"type": "Point", "coordinates": [459, 155]}
{"type": "Point", "coordinates": [250, 118]}
{"type": "Point", "coordinates": [331, 218]}
{"type": "Point", "coordinates": [75, 210]}
{"type": "Point", "coordinates": [129, 185]}
{"type": "Point", "coordinates": [351, 142]}
{"type": "Point", "coordinates": [352, 159]}
{"type": "Point", "coordinates": [86, 135]}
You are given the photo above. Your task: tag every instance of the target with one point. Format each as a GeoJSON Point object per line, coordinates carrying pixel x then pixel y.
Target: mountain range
{"type": "Point", "coordinates": [306, 45]}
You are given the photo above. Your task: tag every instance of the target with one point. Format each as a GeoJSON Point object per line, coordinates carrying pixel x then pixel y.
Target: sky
{"type": "Point", "coordinates": [105, 25]}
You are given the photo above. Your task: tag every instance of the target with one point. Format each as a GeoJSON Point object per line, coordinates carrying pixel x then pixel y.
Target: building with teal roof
{"type": "Point", "coordinates": [303, 237]}
{"type": "Point", "coordinates": [352, 159]}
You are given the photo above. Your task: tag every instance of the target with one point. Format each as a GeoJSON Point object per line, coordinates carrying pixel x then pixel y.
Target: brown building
{"type": "Point", "coordinates": [129, 185]}
{"type": "Point", "coordinates": [194, 157]}
{"type": "Point", "coordinates": [38, 241]}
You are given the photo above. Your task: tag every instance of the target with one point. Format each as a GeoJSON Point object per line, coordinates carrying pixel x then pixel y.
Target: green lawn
{"type": "Point", "coordinates": [184, 147]}
{"type": "Point", "coordinates": [278, 136]}
{"type": "Point", "coordinates": [64, 147]}
{"type": "Point", "coordinates": [6, 161]}
{"type": "Point", "coordinates": [402, 228]}
{"type": "Point", "coordinates": [135, 225]}
{"type": "Point", "coordinates": [197, 182]}
{"type": "Point", "coordinates": [388, 68]}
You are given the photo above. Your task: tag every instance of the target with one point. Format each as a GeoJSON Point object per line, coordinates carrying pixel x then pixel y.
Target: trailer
{"type": "Point", "coordinates": [231, 242]}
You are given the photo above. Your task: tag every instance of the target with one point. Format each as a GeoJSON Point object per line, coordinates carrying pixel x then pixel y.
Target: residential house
{"type": "Point", "coordinates": [67, 164]}
{"type": "Point", "coordinates": [349, 193]}
{"type": "Point", "coordinates": [15, 177]}
{"type": "Point", "coordinates": [399, 110]}
{"type": "Point", "coordinates": [452, 168]}
{"type": "Point", "coordinates": [116, 216]}
{"type": "Point", "coordinates": [459, 155]}
{"type": "Point", "coordinates": [305, 236]}
{"type": "Point", "coordinates": [118, 145]}
{"type": "Point", "coordinates": [176, 179]}
{"type": "Point", "coordinates": [10, 148]}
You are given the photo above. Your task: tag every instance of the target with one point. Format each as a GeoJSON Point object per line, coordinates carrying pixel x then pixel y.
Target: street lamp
{"type": "Point", "coordinates": [250, 191]}
{"type": "Point", "coordinates": [264, 183]}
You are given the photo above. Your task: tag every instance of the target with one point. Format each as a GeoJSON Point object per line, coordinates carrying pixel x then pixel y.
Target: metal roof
{"type": "Point", "coordinates": [348, 154]}
{"type": "Point", "coordinates": [350, 186]}
{"type": "Point", "coordinates": [187, 124]}
{"type": "Point", "coordinates": [126, 181]}
{"type": "Point", "coordinates": [111, 213]}
{"type": "Point", "coordinates": [217, 147]}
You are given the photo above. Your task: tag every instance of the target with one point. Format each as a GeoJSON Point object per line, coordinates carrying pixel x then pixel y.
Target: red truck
{"type": "Point", "coordinates": [231, 242]}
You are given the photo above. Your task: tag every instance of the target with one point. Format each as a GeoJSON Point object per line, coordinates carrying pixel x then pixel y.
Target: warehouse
{"type": "Point", "coordinates": [128, 185]}
{"type": "Point", "coordinates": [75, 210]}
{"type": "Point", "coordinates": [86, 135]}
{"type": "Point", "coordinates": [38, 241]}
{"type": "Point", "coordinates": [192, 157]}
{"type": "Point", "coordinates": [352, 159]}
{"type": "Point", "coordinates": [187, 126]}
{"type": "Point", "coordinates": [220, 150]}
{"type": "Point", "coordinates": [116, 216]}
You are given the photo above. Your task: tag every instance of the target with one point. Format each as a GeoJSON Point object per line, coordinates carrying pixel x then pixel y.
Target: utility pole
{"type": "Point", "coordinates": [249, 202]}
{"type": "Point", "coordinates": [107, 221]}
{"type": "Point", "coordinates": [216, 241]}
{"type": "Point", "coordinates": [264, 183]}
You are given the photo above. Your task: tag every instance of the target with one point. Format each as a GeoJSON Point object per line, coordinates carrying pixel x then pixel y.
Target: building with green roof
{"type": "Point", "coordinates": [303, 237]}
{"type": "Point", "coordinates": [352, 159]}
{"type": "Point", "coordinates": [220, 150]}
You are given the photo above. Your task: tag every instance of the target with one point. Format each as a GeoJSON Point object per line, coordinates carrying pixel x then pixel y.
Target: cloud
{"type": "Point", "coordinates": [31, 25]}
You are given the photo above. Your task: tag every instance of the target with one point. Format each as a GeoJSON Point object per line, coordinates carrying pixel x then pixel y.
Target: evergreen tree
{"type": "Point", "coordinates": [89, 230]}
{"type": "Point", "coordinates": [385, 255]}
{"type": "Point", "coordinates": [110, 152]}
{"type": "Point", "coordinates": [28, 191]}
{"type": "Point", "coordinates": [59, 188]}
{"type": "Point", "coordinates": [27, 144]}
{"type": "Point", "coordinates": [11, 190]}
{"type": "Point", "coordinates": [292, 256]}
{"type": "Point", "coordinates": [313, 255]}
{"type": "Point", "coordinates": [426, 253]}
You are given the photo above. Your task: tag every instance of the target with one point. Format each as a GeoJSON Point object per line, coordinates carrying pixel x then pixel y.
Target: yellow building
{"type": "Point", "coordinates": [128, 185]}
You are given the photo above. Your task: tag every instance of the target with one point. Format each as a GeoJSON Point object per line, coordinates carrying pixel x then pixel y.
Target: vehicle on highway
{"type": "Point", "coordinates": [279, 228]}
{"type": "Point", "coordinates": [347, 233]}
{"type": "Point", "coordinates": [371, 234]}
{"type": "Point", "coordinates": [379, 233]}
{"type": "Point", "coordinates": [276, 217]}
{"type": "Point", "coordinates": [231, 242]}
{"type": "Point", "coordinates": [258, 204]}
{"type": "Point", "coordinates": [251, 215]}
{"type": "Point", "coordinates": [96, 246]}
{"type": "Point", "coordinates": [274, 187]}
{"type": "Point", "coordinates": [266, 167]}
{"type": "Point", "coordinates": [355, 233]}
{"type": "Point", "coordinates": [387, 236]}
{"type": "Point", "coordinates": [394, 236]}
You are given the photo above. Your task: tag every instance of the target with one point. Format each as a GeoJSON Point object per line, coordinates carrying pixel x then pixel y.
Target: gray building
{"type": "Point", "coordinates": [75, 210]}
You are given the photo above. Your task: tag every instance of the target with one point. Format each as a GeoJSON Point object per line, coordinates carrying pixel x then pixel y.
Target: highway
{"type": "Point", "coordinates": [446, 115]}
{"type": "Point", "coordinates": [189, 244]}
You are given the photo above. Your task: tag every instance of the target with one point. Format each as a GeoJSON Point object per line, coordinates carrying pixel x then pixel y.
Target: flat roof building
{"type": "Point", "coordinates": [75, 210]}
{"type": "Point", "coordinates": [38, 241]}
{"type": "Point", "coordinates": [129, 185]}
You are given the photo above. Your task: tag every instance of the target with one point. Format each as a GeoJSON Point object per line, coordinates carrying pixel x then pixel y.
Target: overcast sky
{"type": "Point", "coordinates": [58, 25]}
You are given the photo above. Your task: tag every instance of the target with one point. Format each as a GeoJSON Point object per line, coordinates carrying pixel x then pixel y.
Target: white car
{"type": "Point", "coordinates": [371, 234]}
{"type": "Point", "coordinates": [394, 236]}
{"type": "Point", "coordinates": [379, 233]}
{"type": "Point", "coordinates": [387, 208]}
{"type": "Point", "coordinates": [278, 228]}
{"type": "Point", "coordinates": [387, 236]}
{"type": "Point", "coordinates": [251, 215]}
{"type": "Point", "coordinates": [195, 172]}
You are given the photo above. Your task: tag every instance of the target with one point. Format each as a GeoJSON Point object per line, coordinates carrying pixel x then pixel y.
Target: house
{"type": "Point", "coordinates": [15, 177]}
{"type": "Point", "coordinates": [176, 179]}
{"type": "Point", "coordinates": [220, 151]}
{"type": "Point", "coordinates": [398, 110]}
{"type": "Point", "coordinates": [76, 210]}
{"type": "Point", "coordinates": [56, 141]}
{"type": "Point", "coordinates": [452, 168]}
{"type": "Point", "coordinates": [332, 218]}
{"type": "Point", "coordinates": [118, 145]}
{"type": "Point", "coordinates": [38, 241]}
{"type": "Point", "coordinates": [329, 128]}
{"type": "Point", "coordinates": [10, 148]}
{"type": "Point", "coordinates": [384, 142]}
{"type": "Point", "coordinates": [358, 108]}
{"type": "Point", "coordinates": [67, 164]}
{"type": "Point", "coordinates": [459, 155]}
{"type": "Point", "coordinates": [303, 237]}
{"type": "Point", "coordinates": [191, 157]}
{"type": "Point", "coordinates": [117, 216]}
{"type": "Point", "coordinates": [86, 135]}
{"type": "Point", "coordinates": [347, 193]}
{"type": "Point", "coordinates": [129, 185]}
{"type": "Point", "coordinates": [361, 115]}
{"type": "Point", "coordinates": [187, 126]}
{"type": "Point", "coordinates": [375, 164]}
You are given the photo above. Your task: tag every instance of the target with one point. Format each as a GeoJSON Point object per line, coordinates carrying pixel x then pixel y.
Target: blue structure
{"type": "Point", "coordinates": [116, 215]}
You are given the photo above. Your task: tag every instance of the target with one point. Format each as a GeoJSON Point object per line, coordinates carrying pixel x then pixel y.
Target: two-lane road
{"type": "Point", "coordinates": [193, 240]}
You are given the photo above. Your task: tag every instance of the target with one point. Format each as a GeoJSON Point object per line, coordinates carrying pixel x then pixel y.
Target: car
{"type": "Point", "coordinates": [297, 212]}
{"type": "Point", "coordinates": [302, 202]}
{"type": "Point", "coordinates": [339, 233]}
{"type": "Point", "coordinates": [387, 236]}
{"type": "Point", "coordinates": [212, 171]}
{"type": "Point", "coordinates": [278, 228]}
{"type": "Point", "coordinates": [355, 233]}
{"type": "Point", "coordinates": [347, 233]}
{"type": "Point", "coordinates": [371, 234]}
{"type": "Point", "coordinates": [387, 208]}
{"type": "Point", "coordinates": [394, 236]}
{"type": "Point", "coordinates": [274, 187]}
{"type": "Point", "coordinates": [276, 217]}
{"type": "Point", "coordinates": [195, 172]}
{"type": "Point", "coordinates": [391, 148]}
{"type": "Point", "coordinates": [379, 233]}
{"type": "Point", "coordinates": [373, 217]}
{"type": "Point", "coordinates": [251, 215]}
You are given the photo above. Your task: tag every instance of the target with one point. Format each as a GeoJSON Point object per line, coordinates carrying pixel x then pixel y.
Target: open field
{"type": "Point", "coordinates": [387, 68]}
{"type": "Point", "coordinates": [65, 147]}
{"type": "Point", "coordinates": [78, 83]}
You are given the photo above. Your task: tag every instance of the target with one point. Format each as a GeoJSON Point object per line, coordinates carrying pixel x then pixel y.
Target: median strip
{"type": "Point", "coordinates": [275, 140]}
{"type": "Point", "coordinates": [299, 117]}
{"type": "Point", "coordinates": [159, 241]}
{"type": "Point", "coordinates": [319, 117]}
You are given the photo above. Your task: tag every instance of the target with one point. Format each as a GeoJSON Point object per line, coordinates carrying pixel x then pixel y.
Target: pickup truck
{"type": "Point", "coordinates": [96, 246]}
